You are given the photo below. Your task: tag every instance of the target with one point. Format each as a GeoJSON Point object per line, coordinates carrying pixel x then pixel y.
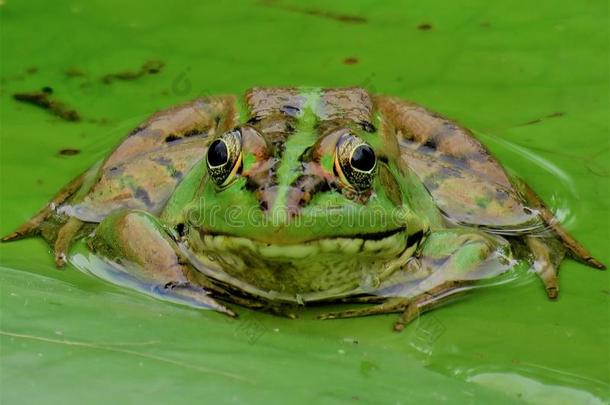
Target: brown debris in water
{"type": "Point", "coordinates": [44, 100]}
{"type": "Point", "coordinates": [346, 18]}
{"type": "Point", "coordinates": [424, 27]}
{"type": "Point", "coordinates": [69, 152]}
{"type": "Point", "coordinates": [150, 67]}
{"type": "Point", "coordinates": [32, 70]}
{"type": "Point", "coordinates": [553, 115]}
{"type": "Point", "coordinates": [74, 72]}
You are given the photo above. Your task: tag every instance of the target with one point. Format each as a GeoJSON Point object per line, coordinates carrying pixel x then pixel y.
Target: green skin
{"type": "Point", "coordinates": [289, 218]}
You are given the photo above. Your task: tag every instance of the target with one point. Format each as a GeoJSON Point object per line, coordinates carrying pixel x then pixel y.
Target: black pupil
{"type": "Point", "coordinates": [363, 158]}
{"type": "Point", "coordinates": [217, 153]}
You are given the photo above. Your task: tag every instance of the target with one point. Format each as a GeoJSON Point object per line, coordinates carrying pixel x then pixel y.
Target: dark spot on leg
{"type": "Point", "coordinates": [424, 26]}
{"type": "Point", "coordinates": [253, 120]}
{"type": "Point", "coordinates": [162, 161]}
{"type": "Point", "coordinates": [115, 171]}
{"type": "Point", "coordinates": [350, 61]}
{"type": "Point", "coordinates": [290, 110]}
{"type": "Point", "coordinates": [193, 132]}
{"type": "Point", "coordinates": [430, 143]}
{"type": "Point", "coordinates": [171, 138]}
{"type": "Point", "coordinates": [69, 152]}
{"type": "Point", "coordinates": [142, 195]}
{"type": "Point", "coordinates": [448, 172]}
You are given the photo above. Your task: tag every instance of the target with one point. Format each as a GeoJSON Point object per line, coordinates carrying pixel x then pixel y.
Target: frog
{"type": "Point", "coordinates": [286, 197]}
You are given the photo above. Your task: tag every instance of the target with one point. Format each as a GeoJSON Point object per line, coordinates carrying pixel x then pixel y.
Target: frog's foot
{"type": "Point", "coordinates": [65, 236]}
{"type": "Point", "coordinates": [144, 253]}
{"type": "Point", "coordinates": [547, 257]}
{"type": "Point", "coordinates": [57, 231]}
{"type": "Point", "coordinates": [410, 308]}
{"type": "Point", "coordinates": [575, 249]}
{"type": "Point", "coordinates": [428, 300]}
{"type": "Point", "coordinates": [189, 293]}
{"type": "Point", "coordinates": [454, 259]}
{"type": "Point", "coordinates": [32, 226]}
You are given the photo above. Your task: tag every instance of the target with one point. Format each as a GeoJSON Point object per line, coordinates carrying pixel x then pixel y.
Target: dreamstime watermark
{"type": "Point", "coordinates": [235, 216]}
{"type": "Point", "coordinates": [251, 329]}
{"type": "Point", "coordinates": [248, 327]}
{"type": "Point", "coordinates": [428, 329]}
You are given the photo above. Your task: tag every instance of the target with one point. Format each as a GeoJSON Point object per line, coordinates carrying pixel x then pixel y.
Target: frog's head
{"type": "Point", "coordinates": [309, 194]}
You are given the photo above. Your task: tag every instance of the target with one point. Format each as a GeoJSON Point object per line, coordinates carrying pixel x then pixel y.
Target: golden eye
{"type": "Point", "coordinates": [224, 157]}
{"type": "Point", "coordinates": [355, 162]}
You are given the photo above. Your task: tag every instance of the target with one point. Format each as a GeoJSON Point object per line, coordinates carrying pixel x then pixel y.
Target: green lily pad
{"type": "Point", "coordinates": [532, 81]}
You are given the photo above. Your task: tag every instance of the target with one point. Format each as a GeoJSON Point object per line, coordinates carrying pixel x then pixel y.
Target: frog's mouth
{"type": "Point", "coordinates": [381, 244]}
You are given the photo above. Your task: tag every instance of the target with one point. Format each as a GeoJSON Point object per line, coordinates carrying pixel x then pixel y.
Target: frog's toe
{"type": "Point", "coordinates": [190, 294]}
{"type": "Point", "coordinates": [410, 313]}
{"type": "Point", "coordinates": [547, 257]}
{"type": "Point", "coordinates": [65, 236]}
{"type": "Point", "coordinates": [392, 305]}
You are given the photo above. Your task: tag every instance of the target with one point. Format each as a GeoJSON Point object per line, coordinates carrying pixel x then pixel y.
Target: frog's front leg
{"type": "Point", "coordinates": [144, 252]}
{"type": "Point", "coordinates": [453, 259]}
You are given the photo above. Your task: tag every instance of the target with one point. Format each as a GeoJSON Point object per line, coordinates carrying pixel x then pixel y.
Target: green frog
{"type": "Point", "coordinates": [293, 196]}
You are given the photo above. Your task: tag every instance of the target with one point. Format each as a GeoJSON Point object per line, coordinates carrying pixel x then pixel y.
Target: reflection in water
{"type": "Point", "coordinates": [533, 391]}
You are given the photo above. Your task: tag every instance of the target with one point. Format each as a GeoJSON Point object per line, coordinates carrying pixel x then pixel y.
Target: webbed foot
{"type": "Point", "coordinates": [409, 308]}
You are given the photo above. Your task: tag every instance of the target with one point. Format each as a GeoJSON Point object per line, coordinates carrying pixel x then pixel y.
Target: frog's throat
{"type": "Point", "coordinates": [307, 271]}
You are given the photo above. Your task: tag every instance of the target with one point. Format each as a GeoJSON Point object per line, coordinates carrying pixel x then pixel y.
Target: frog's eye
{"type": "Point", "coordinates": [355, 162]}
{"type": "Point", "coordinates": [224, 157]}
